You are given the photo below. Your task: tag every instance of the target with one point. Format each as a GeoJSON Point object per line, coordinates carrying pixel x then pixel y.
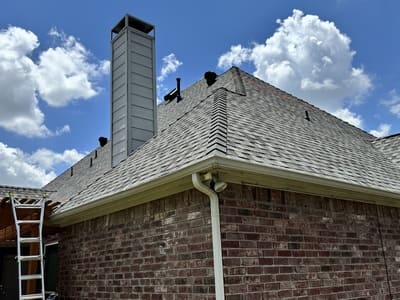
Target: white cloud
{"type": "Point", "coordinates": [383, 130]}
{"type": "Point", "coordinates": [309, 58]}
{"type": "Point", "coordinates": [393, 102]}
{"type": "Point", "coordinates": [346, 115]}
{"type": "Point", "coordinates": [19, 105]}
{"type": "Point", "coordinates": [21, 169]}
{"type": "Point", "coordinates": [62, 74]}
{"type": "Point", "coordinates": [169, 66]}
{"type": "Point", "coordinates": [47, 159]}
{"type": "Point", "coordinates": [65, 73]}
{"type": "Point", "coordinates": [235, 57]}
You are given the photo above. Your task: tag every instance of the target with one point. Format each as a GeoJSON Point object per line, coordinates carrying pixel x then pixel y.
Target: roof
{"type": "Point", "coordinates": [390, 146]}
{"type": "Point", "coordinates": [241, 117]}
{"type": "Point", "coordinates": [81, 174]}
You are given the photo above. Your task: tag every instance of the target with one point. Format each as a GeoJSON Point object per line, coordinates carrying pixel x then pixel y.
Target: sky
{"type": "Point", "coordinates": [340, 55]}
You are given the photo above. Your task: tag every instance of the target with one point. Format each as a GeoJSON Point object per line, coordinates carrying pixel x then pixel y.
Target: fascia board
{"type": "Point", "coordinates": [230, 170]}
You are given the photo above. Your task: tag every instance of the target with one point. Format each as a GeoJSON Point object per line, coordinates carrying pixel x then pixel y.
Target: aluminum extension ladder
{"type": "Point", "coordinates": [38, 206]}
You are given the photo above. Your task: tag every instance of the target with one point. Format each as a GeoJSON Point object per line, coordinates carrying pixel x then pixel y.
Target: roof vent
{"type": "Point", "coordinates": [171, 95]}
{"type": "Point", "coordinates": [175, 93]}
{"type": "Point", "coordinates": [210, 77]}
{"type": "Point", "coordinates": [103, 141]}
{"type": "Point", "coordinates": [307, 116]}
{"type": "Point", "coordinates": [178, 90]}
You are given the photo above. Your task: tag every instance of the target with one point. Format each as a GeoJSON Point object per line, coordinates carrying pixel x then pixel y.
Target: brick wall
{"type": "Point", "coordinates": [282, 245]}
{"type": "Point", "coordinates": [159, 250]}
{"type": "Point", "coordinates": [276, 245]}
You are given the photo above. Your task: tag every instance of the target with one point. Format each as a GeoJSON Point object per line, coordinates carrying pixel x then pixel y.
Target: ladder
{"type": "Point", "coordinates": [38, 207]}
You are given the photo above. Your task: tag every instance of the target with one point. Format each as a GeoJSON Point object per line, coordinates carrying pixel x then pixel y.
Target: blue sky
{"type": "Point", "coordinates": [340, 55]}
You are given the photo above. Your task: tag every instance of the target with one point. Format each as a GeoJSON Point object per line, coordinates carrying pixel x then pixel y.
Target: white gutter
{"type": "Point", "coordinates": [216, 235]}
{"type": "Point", "coordinates": [238, 167]}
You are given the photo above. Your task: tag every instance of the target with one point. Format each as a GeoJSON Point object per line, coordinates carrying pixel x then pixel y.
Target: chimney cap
{"type": "Point", "coordinates": [133, 22]}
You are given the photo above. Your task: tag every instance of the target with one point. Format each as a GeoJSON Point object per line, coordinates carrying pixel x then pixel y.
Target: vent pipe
{"type": "Point", "coordinates": [175, 93]}
{"type": "Point", "coordinates": [307, 116]}
{"type": "Point", "coordinates": [178, 90]}
{"type": "Point", "coordinates": [171, 95]}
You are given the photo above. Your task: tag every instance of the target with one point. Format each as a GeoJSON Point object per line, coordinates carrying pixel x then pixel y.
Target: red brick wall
{"type": "Point", "coordinates": [292, 246]}
{"type": "Point", "coordinates": [159, 250]}
{"type": "Point", "coordinates": [276, 245]}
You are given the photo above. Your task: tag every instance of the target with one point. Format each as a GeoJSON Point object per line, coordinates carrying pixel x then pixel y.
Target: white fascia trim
{"type": "Point", "coordinates": [217, 162]}
{"type": "Point", "coordinates": [245, 166]}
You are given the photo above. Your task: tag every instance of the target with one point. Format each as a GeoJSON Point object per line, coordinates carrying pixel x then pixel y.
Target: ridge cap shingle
{"type": "Point", "coordinates": [217, 138]}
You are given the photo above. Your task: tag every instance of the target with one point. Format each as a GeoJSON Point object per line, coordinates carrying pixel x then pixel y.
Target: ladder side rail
{"type": "Point", "coordinates": [42, 212]}
{"type": "Point", "coordinates": [17, 228]}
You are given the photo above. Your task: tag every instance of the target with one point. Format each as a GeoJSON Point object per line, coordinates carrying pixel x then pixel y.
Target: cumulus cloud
{"type": "Point", "coordinates": [393, 102]}
{"type": "Point", "coordinates": [66, 73]}
{"type": "Point", "coordinates": [309, 58]}
{"type": "Point", "coordinates": [234, 57]}
{"type": "Point", "coordinates": [19, 105]}
{"type": "Point", "coordinates": [60, 75]}
{"type": "Point", "coordinates": [383, 130]}
{"type": "Point", "coordinates": [350, 117]}
{"type": "Point", "coordinates": [169, 66]}
{"type": "Point", "coordinates": [47, 159]}
{"type": "Point", "coordinates": [31, 170]}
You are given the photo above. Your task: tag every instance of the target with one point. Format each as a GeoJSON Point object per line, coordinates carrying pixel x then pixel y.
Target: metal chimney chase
{"type": "Point", "coordinates": [133, 87]}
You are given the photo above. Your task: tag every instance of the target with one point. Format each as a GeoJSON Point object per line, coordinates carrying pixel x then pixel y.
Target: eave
{"type": "Point", "coordinates": [231, 171]}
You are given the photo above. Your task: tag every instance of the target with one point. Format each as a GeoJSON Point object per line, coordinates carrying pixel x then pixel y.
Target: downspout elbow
{"type": "Point", "coordinates": [200, 186]}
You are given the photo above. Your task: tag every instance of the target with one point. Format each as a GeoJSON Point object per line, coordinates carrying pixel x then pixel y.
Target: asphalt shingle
{"type": "Point", "coordinates": [390, 146]}
{"type": "Point", "coordinates": [245, 118]}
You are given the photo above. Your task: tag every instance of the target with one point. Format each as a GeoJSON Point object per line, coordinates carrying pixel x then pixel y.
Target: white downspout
{"type": "Point", "coordinates": [216, 235]}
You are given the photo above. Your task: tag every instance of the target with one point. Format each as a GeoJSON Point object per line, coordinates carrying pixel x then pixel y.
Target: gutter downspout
{"type": "Point", "coordinates": [216, 235]}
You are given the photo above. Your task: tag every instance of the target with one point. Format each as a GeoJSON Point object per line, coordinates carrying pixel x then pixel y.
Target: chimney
{"type": "Point", "coordinates": [133, 87]}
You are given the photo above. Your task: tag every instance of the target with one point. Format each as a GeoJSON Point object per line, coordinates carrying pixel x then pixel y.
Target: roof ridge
{"type": "Point", "coordinates": [386, 137]}
{"type": "Point", "coordinates": [238, 81]}
{"type": "Point", "coordinates": [217, 138]}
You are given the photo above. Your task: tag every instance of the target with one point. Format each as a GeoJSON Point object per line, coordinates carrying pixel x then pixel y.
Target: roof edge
{"type": "Point", "coordinates": [231, 170]}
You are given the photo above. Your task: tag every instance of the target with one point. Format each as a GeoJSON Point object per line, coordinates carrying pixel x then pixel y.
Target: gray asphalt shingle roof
{"type": "Point", "coordinates": [269, 127]}
{"type": "Point", "coordinates": [390, 146]}
{"type": "Point", "coordinates": [245, 118]}
{"type": "Point", "coordinates": [83, 173]}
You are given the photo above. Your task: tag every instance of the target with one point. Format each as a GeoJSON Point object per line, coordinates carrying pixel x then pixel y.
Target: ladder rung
{"type": "Point", "coordinates": [28, 221]}
{"type": "Point", "coordinates": [32, 296]}
{"type": "Point", "coordinates": [30, 257]}
{"type": "Point", "coordinates": [29, 240]}
{"type": "Point", "coordinates": [30, 206]}
{"type": "Point", "coordinates": [31, 277]}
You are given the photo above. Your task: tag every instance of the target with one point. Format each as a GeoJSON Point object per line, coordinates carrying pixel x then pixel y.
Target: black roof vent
{"type": "Point", "coordinates": [307, 116]}
{"type": "Point", "coordinates": [210, 77]}
{"type": "Point", "coordinates": [171, 95]}
{"type": "Point", "coordinates": [175, 93]}
{"type": "Point", "coordinates": [103, 141]}
{"type": "Point", "coordinates": [178, 90]}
